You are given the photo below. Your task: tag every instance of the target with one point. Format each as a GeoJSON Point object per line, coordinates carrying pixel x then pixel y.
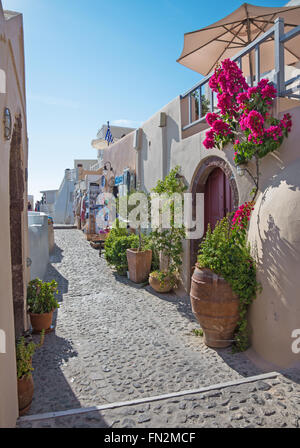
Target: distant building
{"type": "Point", "coordinates": [59, 203]}
{"type": "Point", "coordinates": [85, 164]}
{"type": "Point", "coordinates": [118, 132]}
{"type": "Point", "coordinates": [49, 199]}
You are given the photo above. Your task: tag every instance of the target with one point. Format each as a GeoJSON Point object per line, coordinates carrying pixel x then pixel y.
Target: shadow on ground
{"type": "Point", "coordinates": [182, 303]}
{"type": "Point", "coordinates": [237, 361]}
{"type": "Point", "coordinates": [56, 255]}
{"type": "Point", "coordinates": [51, 390]}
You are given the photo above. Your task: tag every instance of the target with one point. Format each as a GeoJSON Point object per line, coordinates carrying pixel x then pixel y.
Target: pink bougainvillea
{"type": "Point", "coordinates": [244, 120]}
{"type": "Point", "coordinates": [244, 110]}
{"type": "Point", "coordinates": [242, 215]}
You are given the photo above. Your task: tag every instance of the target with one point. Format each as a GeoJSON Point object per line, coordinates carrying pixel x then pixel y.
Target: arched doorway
{"type": "Point", "coordinates": [215, 179]}
{"type": "Point", "coordinates": [217, 198]}
{"type": "Point", "coordinates": [16, 194]}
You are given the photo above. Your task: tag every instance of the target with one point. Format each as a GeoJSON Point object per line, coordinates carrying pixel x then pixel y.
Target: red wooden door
{"type": "Point", "coordinates": [217, 198]}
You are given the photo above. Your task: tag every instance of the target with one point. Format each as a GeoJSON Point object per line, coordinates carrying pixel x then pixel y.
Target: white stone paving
{"type": "Point", "coordinates": [116, 342]}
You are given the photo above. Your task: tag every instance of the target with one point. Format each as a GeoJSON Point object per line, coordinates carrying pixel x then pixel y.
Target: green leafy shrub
{"type": "Point", "coordinates": [226, 252]}
{"type": "Point", "coordinates": [117, 243]}
{"type": "Point", "coordinates": [41, 296]}
{"type": "Point", "coordinates": [149, 244]}
{"type": "Point", "coordinates": [168, 241]}
{"type": "Point", "coordinates": [24, 353]}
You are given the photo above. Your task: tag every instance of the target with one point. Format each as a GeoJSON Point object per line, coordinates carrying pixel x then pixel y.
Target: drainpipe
{"type": "Point", "coordinates": [164, 146]}
{"type": "Point", "coordinates": [138, 163]}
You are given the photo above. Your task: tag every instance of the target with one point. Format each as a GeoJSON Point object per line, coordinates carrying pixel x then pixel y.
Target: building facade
{"type": "Point", "coordinates": [14, 272]}
{"type": "Point", "coordinates": [174, 136]}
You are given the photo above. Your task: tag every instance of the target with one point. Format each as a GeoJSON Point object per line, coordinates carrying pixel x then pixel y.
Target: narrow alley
{"type": "Point", "coordinates": [116, 342]}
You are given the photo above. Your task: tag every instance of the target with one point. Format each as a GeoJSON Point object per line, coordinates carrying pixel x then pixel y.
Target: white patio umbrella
{"type": "Point", "coordinates": [205, 48]}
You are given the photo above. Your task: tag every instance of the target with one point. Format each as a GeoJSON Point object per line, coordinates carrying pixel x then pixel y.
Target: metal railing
{"type": "Point", "coordinates": [201, 102]}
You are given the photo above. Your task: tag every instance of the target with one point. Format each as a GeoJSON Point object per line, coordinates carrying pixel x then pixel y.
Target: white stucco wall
{"type": "Point", "coordinates": [63, 209]}
{"type": "Point", "coordinates": [38, 244]}
{"type": "Point", "coordinates": [13, 96]}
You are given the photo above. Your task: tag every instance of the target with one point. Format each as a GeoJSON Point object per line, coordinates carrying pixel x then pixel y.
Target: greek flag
{"type": "Point", "coordinates": [108, 136]}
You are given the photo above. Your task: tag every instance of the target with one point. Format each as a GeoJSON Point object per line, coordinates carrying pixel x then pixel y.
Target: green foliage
{"type": "Point", "coordinates": [165, 276]}
{"type": "Point", "coordinates": [117, 243]}
{"type": "Point", "coordinates": [149, 244]}
{"type": "Point", "coordinates": [168, 241]}
{"type": "Point", "coordinates": [41, 296]}
{"type": "Point", "coordinates": [197, 332]}
{"type": "Point", "coordinates": [24, 353]}
{"type": "Point", "coordinates": [143, 212]}
{"type": "Point", "coordinates": [226, 252]}
{"type": "Point", "coordinates": [171, 184]}
{"type": "Point", "coordinates": [246, 150]}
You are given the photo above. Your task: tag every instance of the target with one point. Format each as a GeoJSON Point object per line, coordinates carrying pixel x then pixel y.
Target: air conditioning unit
{"type": "Point", "coordinates": [162, 120]}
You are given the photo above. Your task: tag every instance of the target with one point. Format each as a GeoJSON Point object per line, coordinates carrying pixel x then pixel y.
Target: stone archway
{"type": "Point", "coordinates": [16, 194]}
{"type": "Point", "coordinates": [202, 173]}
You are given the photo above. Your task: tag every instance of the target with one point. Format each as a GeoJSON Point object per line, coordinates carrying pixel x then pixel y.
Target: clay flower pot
{"type": "Point", "coordinates": [41, 322]}
{"type": "Point", "coordinates": [215, 306]}
{"type": "Point", "coordinates": [158, 286]}
{"type": "Point", "coordinates": [25, 393]}
{"type": "Point", "coordinates": [139, 264]}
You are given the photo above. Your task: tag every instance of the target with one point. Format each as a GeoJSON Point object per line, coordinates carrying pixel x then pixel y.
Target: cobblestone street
{"type": "Point", "coordinates": [116, 342]}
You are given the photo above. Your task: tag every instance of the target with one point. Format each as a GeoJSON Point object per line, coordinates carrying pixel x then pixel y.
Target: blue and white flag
{"type": "Point", "coordinates": [108, 136]}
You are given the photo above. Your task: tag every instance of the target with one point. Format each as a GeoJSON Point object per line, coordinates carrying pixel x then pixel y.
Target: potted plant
{"type": "Point", "coordinates": [41, 303]}
{"type": "Point", "coordinates": [162, 281]}
{"type": "Point", "coordinates": [139, 262]}
{"type": "Point", "coordinates": [24, 353]}
{"type": "Point", "coordinates": [168, 240]}
{"type": "Point", "coordinates": [224, 284]}
{"type": "Point", "coordinates": [139, 258]}
{"type": "Point", "coordinates": [116, 245]}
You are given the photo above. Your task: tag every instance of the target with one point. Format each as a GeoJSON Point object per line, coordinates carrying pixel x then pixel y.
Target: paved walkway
{"type": "Point", "coordinates": [116, 342]}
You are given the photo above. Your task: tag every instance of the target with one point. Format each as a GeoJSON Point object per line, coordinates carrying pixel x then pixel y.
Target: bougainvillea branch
{"type": "Point", "coordinates": [244, 115]}
{"type": "Point", "coordinates": [244, 120]}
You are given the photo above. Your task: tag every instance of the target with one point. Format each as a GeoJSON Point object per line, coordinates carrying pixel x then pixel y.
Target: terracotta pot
{"type": "Point", "coordinates": [139, 264]}
{"type": "Point", "coordinates": [25, 394]}
{"type": "Point", "coordinates": [41, 322]}
{"type": "Point", "coordinates": [215, 306]}
{"type": "Point", "coordinates": [164, 287]}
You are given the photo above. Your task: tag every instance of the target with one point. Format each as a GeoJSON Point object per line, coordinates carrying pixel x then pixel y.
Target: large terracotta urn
{"type": "Point", "coordinates": [215, 306]}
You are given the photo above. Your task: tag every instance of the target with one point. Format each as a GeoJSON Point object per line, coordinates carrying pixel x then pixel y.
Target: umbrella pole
{"type": "Point", "coordinates": [249, 41]}
{"type": "Point", "coordinates": [250, 70]}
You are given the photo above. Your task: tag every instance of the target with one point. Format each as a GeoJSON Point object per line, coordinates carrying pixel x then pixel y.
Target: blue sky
{"type": "Point", "coordinates": [90, 61]}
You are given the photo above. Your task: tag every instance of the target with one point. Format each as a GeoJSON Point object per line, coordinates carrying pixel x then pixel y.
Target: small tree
{"type": "Point", "coordinates": [168, 241]}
